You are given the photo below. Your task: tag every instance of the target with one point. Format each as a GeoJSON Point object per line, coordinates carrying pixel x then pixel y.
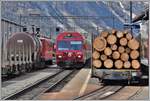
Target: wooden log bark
{"type": "Point", "coordinates": [123, 41]}
{"type": "Point", "coordinates": [103, 57]}
{"type": "Point", "coordinates": [127, 50]}
{"type": "Point", "coordinates": [115, 55]}
{"type": "Point", "coordinates": [118, 64]}
{"type": "Point", "coordinates": [99, 43]}
{"type": "Point", "coordinates": [108, 63]}
{"type": "Point", "coordinates": [104, 34]}
{"type": "Point", "coordinates": [111, 39]}
{"type": "Point", "coordinates": [108, 51]}
{"type": "Point", "coordinates": [121, 49]}
{"type": "Point", "coordinates": [134, 54]}
{"type": "Point", "coordinates": [97, 63]}
{"type": "Point", "coordinates": [135, 64]}
{"type": "Point", "coordinates": [133, 44]}
{"type": "Point", "coordinates": [114, 47]}
{"type": "Point", "coordinates": [96, 55]}
{"type": "Point", "coordinates": [124, 57]}
{"type": "Point", "coordinates": [119, 34]}
{"type": "Point", "coordinates": [127, 64]}
{"type": "Point", "coordinates": [129, 36]}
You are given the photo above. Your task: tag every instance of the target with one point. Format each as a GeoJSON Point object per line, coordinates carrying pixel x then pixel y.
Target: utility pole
{"type": "Point", "coordinates": [0, 41]}
{"type": "Point", "coordinates": [131, 14]}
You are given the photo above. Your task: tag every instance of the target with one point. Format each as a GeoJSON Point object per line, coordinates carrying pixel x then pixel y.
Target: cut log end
{"type": "Point", "coordinates": [97, 63]}
{"type": "Point", "coordinates": [133, 44]}
{"type": "Point", "coordinates": [119, 34]}
{"type": "Point", "coordinates": [116, 55]}
{"type": "Point", "coordinates": [99, 44]}
{"type": "Point", "coordinates": [113, 31]}
{"type": "Point", "coordinates": [127, 64]}
{"type": "Point", "coordinates": [123, 41]}
{"type": "Point", "coordinates": [95, 55]}
{"type": "Point", "coordinates": [104, 34]}
{"type": "Point", "coordinates": [108, 51]}
{"type": "Point", "coordinates": [108, 63]}
{"type": "Point", "coordinates": [118, 64]}
{"type": "Point", "coordinates": [134, 54]}
{"type": "Point", "coordinates": [111, 39]}
{"type": "Point", "coordinates": [127, 50]}
{"type": "Point", "coordinates": [129, 36]}
{"type": "Point", "coordinates": [124, 57]}
{"type": "Point", "coordinates": [135, 64]}
{"type": "Point", "coordinates": [114, 47]}
{"type": "Point", "coordinates": [103, 57]}
{"type": "Point", "coordinates": [125, 32]}
{"type": "Point", "coordinates": [121, 49]}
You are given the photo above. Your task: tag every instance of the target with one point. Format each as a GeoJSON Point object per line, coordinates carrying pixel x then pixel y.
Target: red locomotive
{"type": "Point", "coordinates": [47, 50]}
{"type": "Point", "coordinates": [71, 50]}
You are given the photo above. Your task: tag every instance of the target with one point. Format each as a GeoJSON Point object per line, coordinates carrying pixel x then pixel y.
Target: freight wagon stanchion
{"type": "Point", "coordinates": [9, 55]}
{"type": "Point", "coordinates": [27, 56]}
{"type": "Point", "coordinates": [19, 58]}
{"type": "Point", "coordinates": [23, 54]}
{"type": "Point", "coordinates": [15, 57]}
{"type": "Point", "coordinates": [93, 69]}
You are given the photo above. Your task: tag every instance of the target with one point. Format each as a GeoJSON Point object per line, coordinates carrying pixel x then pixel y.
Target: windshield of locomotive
{"type": "Point", "coordinates": [69, 45]}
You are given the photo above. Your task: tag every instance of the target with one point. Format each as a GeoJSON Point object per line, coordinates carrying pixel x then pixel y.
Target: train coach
{"type": "Point", "coordinates": [71, 50]}
{"type": "Point", "coordinates": [26, 51]}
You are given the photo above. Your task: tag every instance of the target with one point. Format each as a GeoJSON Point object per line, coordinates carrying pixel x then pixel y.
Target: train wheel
{"type": "Point", "coordinates": [4, 71]}
{"type": "Point", "coordinates": [42, 64]}
{"type": "Point", "coordinates": [33, 66]}
{"type": "Point", "coordinates": [9, 72]}
{"type": "Point", "coordinates": [27, 67]}
{"type": "Point", "coordinates": [22, 67]}
{"type": "Point", "coordinates": [17, 70]}
{"type": "Point", "coordinates": [50, 62]}
{"type": "Point", "coordinates": [30, 67]}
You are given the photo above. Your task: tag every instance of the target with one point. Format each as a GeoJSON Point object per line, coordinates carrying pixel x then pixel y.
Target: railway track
{"type": "Point", "coordinates": [136, 94]}
{"type": "Point", "coordinates": [36, 89]}
{"type": "Point", "coordinates": [12, 76]}
{"type": "Point", "coordinates": [100, 93]}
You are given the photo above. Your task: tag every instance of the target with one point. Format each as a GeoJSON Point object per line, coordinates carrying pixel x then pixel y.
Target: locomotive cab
{"type": "Point", "coordinates": [70, 50]}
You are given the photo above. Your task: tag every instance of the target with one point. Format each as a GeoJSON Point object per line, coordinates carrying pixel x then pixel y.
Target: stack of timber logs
{"type": "Point", "coordinates": [116, 49]}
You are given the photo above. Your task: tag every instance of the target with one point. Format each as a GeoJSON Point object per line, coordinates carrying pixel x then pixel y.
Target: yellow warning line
{"type": "Point", "coordinates": [83, 88]}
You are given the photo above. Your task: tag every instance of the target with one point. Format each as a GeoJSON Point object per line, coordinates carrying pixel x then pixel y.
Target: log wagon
{"type": "Point", "coordinates": [116, 56]}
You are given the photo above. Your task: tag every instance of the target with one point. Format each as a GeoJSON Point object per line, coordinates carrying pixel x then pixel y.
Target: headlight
{"type": "Point", "coordinates": [79, 56]}
{"type": "Point", "coordinates": [59, 56]}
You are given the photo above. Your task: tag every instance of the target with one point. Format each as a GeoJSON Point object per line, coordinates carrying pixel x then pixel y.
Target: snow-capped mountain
{"type": "Point", "coordinates": [106, 14]}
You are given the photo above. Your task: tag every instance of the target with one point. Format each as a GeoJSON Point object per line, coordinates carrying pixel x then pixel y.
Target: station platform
{"type": "Point", "coordinates": [81, 84]}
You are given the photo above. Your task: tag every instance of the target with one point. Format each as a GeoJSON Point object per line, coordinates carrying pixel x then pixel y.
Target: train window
{"type": "Point", "coordinates": [69, 45]}
{"type": "Point", "coordinates": [63, 45]}
{"type": "Point", "coordinates": [76, 45]}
